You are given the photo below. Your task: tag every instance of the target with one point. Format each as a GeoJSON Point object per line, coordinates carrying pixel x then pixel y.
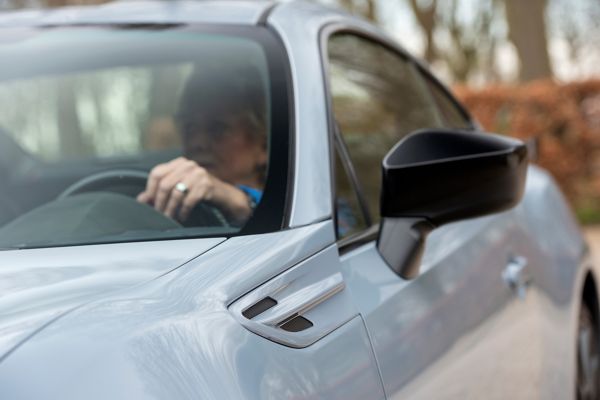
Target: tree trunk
{"type": "Point", "coordinates": [368, 9]}
{"type": "Point", "coordinates": [426, 19]}
{"type": "Point", "coordinates": [72, 142]}
{"type": "Point", "coordinates": [527, 31]}
{"type": "Point", "coordinates": [371, 12]}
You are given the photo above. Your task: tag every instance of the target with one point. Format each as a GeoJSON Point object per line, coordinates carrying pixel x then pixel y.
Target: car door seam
{"type": "Point", "coordinates": [374, 354]}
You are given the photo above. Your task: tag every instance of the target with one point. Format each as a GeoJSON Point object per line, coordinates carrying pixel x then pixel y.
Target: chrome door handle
{"type": "Point", "coordinates": [515, 275]}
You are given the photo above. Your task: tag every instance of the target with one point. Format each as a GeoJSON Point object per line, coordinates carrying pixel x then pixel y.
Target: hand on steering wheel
{"type": "Point", "coordinates": [130, 182]}
{"type": "Point", "coordinates": [176, 187]}
{"type": "Point", "coordinates": [108, 180]}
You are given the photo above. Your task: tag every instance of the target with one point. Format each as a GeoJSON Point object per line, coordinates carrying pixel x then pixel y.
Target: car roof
{"type": "Point", "coordinates": [143, 12]}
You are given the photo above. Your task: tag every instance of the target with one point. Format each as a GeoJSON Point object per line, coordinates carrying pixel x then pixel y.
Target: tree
{"type": "Point", "coordinates": [466, 48]}
{"type": "Point", "coordinates": [471, 50]}
{"type": "Point", "coordinates": [527, 31]}
{"type": "Point", "coordinates": [425, 15]}
{"type": "Point", "coordinates": [364, 8]}
{"type": "Point", "coordinates": [577, 26]}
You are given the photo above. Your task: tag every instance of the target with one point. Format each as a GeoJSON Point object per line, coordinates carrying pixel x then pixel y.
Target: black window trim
{"type": "Point", "coordinates": [428, 79]}
{"type": "Point", "coordinates": [335, 28]}
{"type": "Point", "coordinates": [344, 154]}
{"type": "Point", "coordinates": [282, 114]}
{"type": "Point", "coordinates": [326, 32]}
{"type": "Point", "coordinates": [370, 233]}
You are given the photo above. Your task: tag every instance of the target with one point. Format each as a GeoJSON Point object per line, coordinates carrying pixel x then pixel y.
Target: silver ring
{"type": "Point", "coordinates": [181, 187]}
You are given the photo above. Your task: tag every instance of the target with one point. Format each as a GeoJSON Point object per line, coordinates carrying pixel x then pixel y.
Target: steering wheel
{"type": "Point", "coordinates": [130, 182]}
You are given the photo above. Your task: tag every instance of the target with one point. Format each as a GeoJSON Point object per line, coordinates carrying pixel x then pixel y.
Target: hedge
{"type": "Point", "coordinates": [564, 118]}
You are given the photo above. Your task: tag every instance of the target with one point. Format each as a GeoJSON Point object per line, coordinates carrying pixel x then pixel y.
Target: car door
{"type": "Point", "coordinates": [466, 327]}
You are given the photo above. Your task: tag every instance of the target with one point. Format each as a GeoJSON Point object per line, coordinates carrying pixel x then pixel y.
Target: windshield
{"type": "Point", "coordinates": [111, 134]}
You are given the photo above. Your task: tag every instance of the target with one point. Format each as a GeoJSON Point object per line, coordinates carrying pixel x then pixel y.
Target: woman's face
{"type": "Point", "coordinates": [227, 149]}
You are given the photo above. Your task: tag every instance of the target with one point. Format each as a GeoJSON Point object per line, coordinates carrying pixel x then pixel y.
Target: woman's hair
{"type": "Point", "coordinates": [220, 92]}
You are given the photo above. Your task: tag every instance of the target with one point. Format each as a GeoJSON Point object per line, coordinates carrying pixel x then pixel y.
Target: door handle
{"type": "Point", "coordinates": [515, 275]}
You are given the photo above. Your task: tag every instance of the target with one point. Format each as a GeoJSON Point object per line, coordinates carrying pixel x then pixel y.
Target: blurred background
{"type": "Point", "coordinates": [526, 68]}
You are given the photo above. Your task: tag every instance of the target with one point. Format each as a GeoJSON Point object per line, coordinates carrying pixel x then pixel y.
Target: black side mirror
{"type": "Point", "coordinates": [433, 177]}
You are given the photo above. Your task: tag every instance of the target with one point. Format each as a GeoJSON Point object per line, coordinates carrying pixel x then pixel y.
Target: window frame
{"type": "Point", "coordinates": [370, 233]}
{"type": "Point", "coordinates": [341, 150]}
{"type": "Point", "coordinates": [429, 78]}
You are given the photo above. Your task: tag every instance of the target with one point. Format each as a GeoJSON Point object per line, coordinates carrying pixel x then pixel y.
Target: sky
{"type": "Point", "coordinates": [396, 18]}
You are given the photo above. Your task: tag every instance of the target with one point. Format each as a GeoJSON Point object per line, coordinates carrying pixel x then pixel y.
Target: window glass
{"type": "Point", "coordinates": [377, 98]}
{"type": "Point", "coordinates": [89, 113]}
{"type": "Point", "coordinates": [453, 116]}
{"type": "Point", "coordinates": [100, 113]}
{"type": "Point", "coordinates": [350, 218]}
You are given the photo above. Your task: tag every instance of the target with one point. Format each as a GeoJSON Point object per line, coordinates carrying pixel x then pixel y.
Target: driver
{"type": "Point", "coordinates": [222, 123]}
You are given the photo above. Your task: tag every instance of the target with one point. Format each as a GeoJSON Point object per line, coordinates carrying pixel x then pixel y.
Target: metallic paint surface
{"type": "Point", "coordinates": [174, 338]}
{"type": "Point", "coordinates": [457, 331]}
{"type": "Point", "coordinates": [141, 328]}
{"type": "Point", "coordinates": [39, 285]}
{"type": "Point", "coordinates": [141, 12]}
{"type": "Point", "coordinates": [298, 25]}
{"type": "Point", "coordinates": [562, 265]}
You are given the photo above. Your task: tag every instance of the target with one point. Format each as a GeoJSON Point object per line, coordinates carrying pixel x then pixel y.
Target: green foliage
{"type": "Point", "coordinates": [588, 214]}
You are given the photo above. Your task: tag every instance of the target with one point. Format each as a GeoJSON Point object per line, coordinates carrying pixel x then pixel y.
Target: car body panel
{"type": "Point", "coordinates": [562, 267]}
{"type": "Point", "coordinates": [457, 331]}
{"type": "Point", "coordinates": [165, 327]}
{"type": "Point", "coordinates": [175, 338]}
{"type": "Point", "coordinates": [183, 358]}
{"type": "Point", "coordinates": [143, 12]}
{"type": "Point", "coordinates": [39, 285]}
{"type": "Point", "coordinates": [311, 199]}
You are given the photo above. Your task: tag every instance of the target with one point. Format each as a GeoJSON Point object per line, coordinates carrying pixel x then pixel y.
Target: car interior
{"type": "Point", "coordinates": [30, 211]}
{"type": "Point", "coordinates": [80, 133]}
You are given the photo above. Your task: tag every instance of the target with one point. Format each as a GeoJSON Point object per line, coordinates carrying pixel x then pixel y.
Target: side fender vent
{"type": "Point", "coordinates": [296, 324]}
{"type": "Point", "coordinates": [301, 305]}
{"type": "Point", "coordinates": [259, 307]}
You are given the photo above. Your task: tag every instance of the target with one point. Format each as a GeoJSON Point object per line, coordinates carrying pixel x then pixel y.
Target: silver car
{"type": "Point", "coordinates": [247, 200]}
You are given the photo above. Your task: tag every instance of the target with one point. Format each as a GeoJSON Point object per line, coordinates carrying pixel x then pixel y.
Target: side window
{"type": "Point", "coordinates": [453, 116]}
{"type": "Point", "coordinates": [349, 216]}
{"type": "Point", "coordinates": [378, 97]}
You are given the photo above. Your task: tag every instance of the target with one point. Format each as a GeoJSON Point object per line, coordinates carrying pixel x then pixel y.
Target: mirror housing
{"type": "Point", "coordinates": [433, 177]}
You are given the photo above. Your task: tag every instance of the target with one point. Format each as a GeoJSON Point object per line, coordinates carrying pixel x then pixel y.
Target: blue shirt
{"type": "Point", "coordinates": [254, 194]}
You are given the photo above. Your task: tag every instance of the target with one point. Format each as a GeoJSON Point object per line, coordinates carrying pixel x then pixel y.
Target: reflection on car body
{"type": "Point", "coordinates": [368, 241]}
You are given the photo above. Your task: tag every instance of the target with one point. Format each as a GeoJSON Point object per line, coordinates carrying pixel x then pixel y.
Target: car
{"type": "Point", "coordinates": [383, 246]}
